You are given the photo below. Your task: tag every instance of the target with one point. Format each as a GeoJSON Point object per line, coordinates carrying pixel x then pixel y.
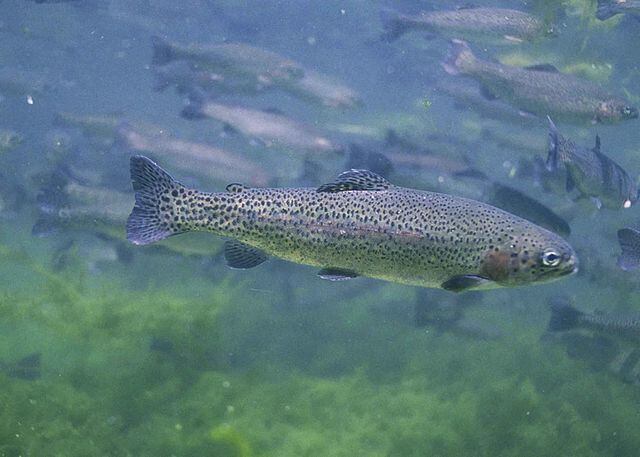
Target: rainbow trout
{"type": "Point", "coordinates": [609, 8]}
{"type": "Point", "coordinates": [591, 172]}
{"type": "Point", "coordinates": [565, 317]}
{"type": "Point", "coordinates": [486, 24]}
{"type": "Point", "coordinates": [359, 225]}
{"type": "Point", "coordinates": [540, 89]}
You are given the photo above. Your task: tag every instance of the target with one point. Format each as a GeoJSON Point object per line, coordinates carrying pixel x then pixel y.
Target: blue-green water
{"type": "Point", "coordinates": [164, 351]}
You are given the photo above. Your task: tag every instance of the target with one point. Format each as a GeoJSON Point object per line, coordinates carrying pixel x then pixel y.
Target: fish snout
{"type": "Point", "coordinates": [631, 112]}
{"type": "Point", "coordinates": [570, 262]}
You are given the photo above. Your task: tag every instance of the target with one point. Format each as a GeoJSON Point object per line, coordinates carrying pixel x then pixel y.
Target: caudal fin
{"type": "Point", "coordinates": [459, 58]}
{"type": "Point", "coordinates": [157, 194]}
{"type": "Point", "coordinates": [563, 316]}
{"type": "Point", "coordinates": [552, 157]}
{"type": "Point", "coordinates": [605, 10]}
{"type": "Point", "coordinates": [194, 110]}
{"type": "Point", "coordinates": [162, 51]}
{"type": "Point", "coordinates": [629, 240]}
{"type": "Point", "coordinates": [394, 26]}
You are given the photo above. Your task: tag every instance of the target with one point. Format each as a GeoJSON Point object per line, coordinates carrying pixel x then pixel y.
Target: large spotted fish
{"type": "Point", "coordinates": [359, 225]}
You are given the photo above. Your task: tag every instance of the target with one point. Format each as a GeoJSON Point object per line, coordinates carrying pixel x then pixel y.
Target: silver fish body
{"type": "Point", "coordinates": [591, 172]}
{"type": "Point", "coordinates": [487, 24]}
{"type": "Point", "coordinates": [234, 60]}
{"type": "Point", "coordinates": [609, 8]}
{"type": "Point", "coordinates": [360, 225]}
{"type": "Point", "coordinates": [565, 317]}
{"type": "Point", "coordinates": [272, 129]}
{"type": "Point", "coordinates": [541, 89]}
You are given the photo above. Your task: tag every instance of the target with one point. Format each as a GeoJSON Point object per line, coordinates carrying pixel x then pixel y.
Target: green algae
{"type": "Point", "coordinates": [273, 371]}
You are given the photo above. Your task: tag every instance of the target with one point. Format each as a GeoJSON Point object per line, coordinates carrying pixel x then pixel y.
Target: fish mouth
{"type": "Point", "coordinates": [568, 272]}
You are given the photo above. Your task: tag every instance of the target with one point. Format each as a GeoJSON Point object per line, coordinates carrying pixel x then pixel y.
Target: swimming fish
{"type": "Point", "coordinates": [358, 225]}
{"type": "Point", "coordinates": [566, 317]}
{"type": "Point", "coordinates": [491, 24]}
{"type": "Point", "coordinates": [200, 159]}
{"type": "Point", "coordinates": [270, 128]}
{"type": "Point", "coordinates": [9, 140]}
{"type": "Point", "coordinates": [516, 202]}
{"type": "Point", "coordinates": [236, 60]}
{"type": "Point", "coordinates": [600, 353]}
{"type": "Point", "coordinates": [591, 172]}
{"type": "Point", "coordinates": [609, 8]}
{"type": "Point", "coordinates": [241, 69]}
{"type": "Point", "coordinates": [27, 368]}
{"type": "Point", "coordinates": [540, 89]}
{"type": "Point", "coordinates": [469, 97]}
{"type": "Point", "coordinates": [629, 240]}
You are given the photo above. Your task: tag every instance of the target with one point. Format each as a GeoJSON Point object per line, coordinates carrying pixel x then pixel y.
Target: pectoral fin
{"type": "Point", "coordinates": [242, 256]}
{"type": "Point", "coordinates": [570, 184]}
{"type": "Point", "coordinates": [596, 148]}
{"type": "Point", "coordinates": [487, 93]}
{"type": "Point", "coordinates": [462, 283]}
{"type": "Point", "coordinates": [337, 274]}
{"type": "Point", "coordinates": [545, 67]}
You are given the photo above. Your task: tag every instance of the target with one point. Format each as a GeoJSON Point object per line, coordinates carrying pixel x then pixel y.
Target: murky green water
{"type": "Point", "coordinates": [111, 349]}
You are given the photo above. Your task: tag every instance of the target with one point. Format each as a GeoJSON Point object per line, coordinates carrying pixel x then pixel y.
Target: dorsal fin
{"type": "Point", "coordinates": [596, 149]}
{"type": "Point", "coordinates": [356, 180]}
{"type": "Point", "coordinates": [549, 68]}
{"type": "Point", "coordinates": [273, 110]}
{"type": "Point", "coordinates": [235, 187]}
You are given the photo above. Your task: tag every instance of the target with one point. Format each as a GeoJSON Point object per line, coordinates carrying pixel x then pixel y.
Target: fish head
{"type": "Point", "coordinates": [615, 110]}
{"type": "Point", "coordinates": [537, 256]}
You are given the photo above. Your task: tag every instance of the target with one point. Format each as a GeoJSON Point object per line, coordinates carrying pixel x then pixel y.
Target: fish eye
{"type": "Point", "coordinates": [551, 259]}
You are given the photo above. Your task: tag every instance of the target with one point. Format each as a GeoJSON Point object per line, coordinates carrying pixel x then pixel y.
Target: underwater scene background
{"type": "Point", "coordinates": [111, 349]}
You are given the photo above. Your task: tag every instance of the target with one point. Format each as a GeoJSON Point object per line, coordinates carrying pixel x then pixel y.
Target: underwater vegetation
{"type": "Point", "coordinates": [160, 372]}
{"type": "Point", "coordinates": [110, 349]}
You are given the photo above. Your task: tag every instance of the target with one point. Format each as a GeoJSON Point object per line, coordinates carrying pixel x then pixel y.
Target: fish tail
{"type": "Point", "coordinates": [194, 110]}
{"type": "Point", "coordinates": [162, 82]}
{"type": "Point", "coordinates": [27, 368]}
{"type": "Point", "coordinates": [605, 10]}
{"type": "Point", "coordinates": [156, 214]}
{"type": "Point", "coordinates": [563, 316]}
{"type": "Point", "coordinates": [552, 157]}
{"type": "Point", "coordinates": [163, 52]}
{"type": "Point", "coordinates": [50, 199]}
{"type": "Point", "coordinates": [629, 241]}
{"type": "Point", "coordinates": [393, 24]}
{"type": "Point", "coordinates": [459, 59]}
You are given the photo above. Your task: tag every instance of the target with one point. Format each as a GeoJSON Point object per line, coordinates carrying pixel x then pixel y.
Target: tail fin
{"type": "Point", "coordinates": [552, 157]}
{"type": "Point", "coordinates": [459, 57]}
{"type": "Point", "coordinates": [162, 82]}
{"type": "Point", "coordinates": [193, 111]}
{"type": "Point", "coordinates": [394, 26]}
{"type": "Point", "coordinates": [154, 215]}
{"type": "Point", "coordinates": [27, 368]}
{"type": "Point", "coordinates": [51, 198]}
{"type": "Point", "coordinates": [629, 240]}
{"type": "Point", "coordinates": [605, 10]}
{"type": "Point", "coordinates": [162, 51]}
{"type": "Point", "coordinates": [563, 316]}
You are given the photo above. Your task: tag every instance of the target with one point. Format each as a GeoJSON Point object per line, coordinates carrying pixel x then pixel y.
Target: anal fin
{"type": "Point", "coordinates": [337, 274]}
{"type": "Point", "coordinates": [242, 256]}
{"type": "Point", "coordinates": [462, 283]}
